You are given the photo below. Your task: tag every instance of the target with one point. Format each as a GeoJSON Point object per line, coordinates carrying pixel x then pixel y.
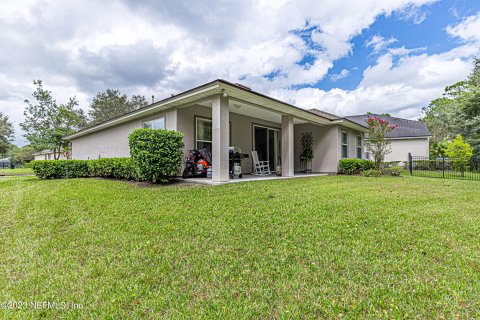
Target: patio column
{"type": "Point", "coordinates": [220, 138]}
{"type": "Point", "coordinates": [287, 146]}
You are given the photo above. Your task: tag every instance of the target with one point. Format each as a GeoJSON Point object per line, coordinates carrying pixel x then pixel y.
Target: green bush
{"type": "Point", "coordinates": [372, 173]}
{"type": "Point", "coordinates": [156, 154]}
{"type": "Point", "coordinates": [424, 164]}
{"type": "Point", "coordinates": [394, 171]}
{"type": "Point", "coordinates": [59, 169]}
{"type": "Point", "coordinates": [118, 168]}
{"type": "Point", "coordinates": [354, 166]}
{"type": "Point", "coordinates": [389, 164]}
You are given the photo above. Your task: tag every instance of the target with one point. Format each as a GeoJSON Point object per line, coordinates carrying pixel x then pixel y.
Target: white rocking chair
{"type": "Point", "coordinates": [260, 168]}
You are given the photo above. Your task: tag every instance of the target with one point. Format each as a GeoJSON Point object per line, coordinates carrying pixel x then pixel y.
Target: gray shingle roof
{"type": "Point", "coordinates": [324, 114]}
{"type": "Point", "coordinates": [406, 128]}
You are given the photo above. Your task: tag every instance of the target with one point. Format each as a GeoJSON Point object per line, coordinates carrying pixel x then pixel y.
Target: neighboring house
{"type": "Point", "coordinates": [220, 114]}
{"type": "Point", "coordinates": [47, 155]}
{"type": "Point", "coordinates": [409, 137]}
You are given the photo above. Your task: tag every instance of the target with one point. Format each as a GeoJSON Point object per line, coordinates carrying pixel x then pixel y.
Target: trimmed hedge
{"type": "Point", "coordinates": [354, 166]}
{"type": "Point", "coordinates": [157, 154]}
{"type": "Point", "coordinates": [425, 164]}
{"type": "Point", "coordinates": [119, 168]}
{"type": "Point", "coordinates": [60, 169]}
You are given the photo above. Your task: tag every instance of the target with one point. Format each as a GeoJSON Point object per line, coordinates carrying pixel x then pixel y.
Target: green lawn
{"type": "Point", "coordinates": [326, 247]}
{"type": "Point", "coordinates": [15, 172]}
{"type": "Point", "coordinates": [449, 174]}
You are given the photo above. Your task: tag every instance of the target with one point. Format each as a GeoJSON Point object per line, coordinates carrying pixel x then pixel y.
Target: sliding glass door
{"type": "Point", "coordinates": [267, 144]}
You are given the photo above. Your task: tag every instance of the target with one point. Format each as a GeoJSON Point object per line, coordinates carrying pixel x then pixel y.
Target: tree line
{"type": "Point", "coordinates": [47, 121]}
{"type": "Point", "coordinates": [455, 115]}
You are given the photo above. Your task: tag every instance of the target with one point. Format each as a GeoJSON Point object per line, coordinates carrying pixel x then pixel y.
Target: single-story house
{"type": "Point", "coordinates": [410, 136]}
{"type": "Point", "coordinates": [220, 114]}
{"type": "Point", "coordinates": [47, 154]}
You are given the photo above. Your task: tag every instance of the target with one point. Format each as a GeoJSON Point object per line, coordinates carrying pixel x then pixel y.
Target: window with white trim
{"type": "Point", "coordinates": [155, 124]}
{"type": "Point", "coordinates": [344, 144]}
{"type": "Point", "coordinates": [203, 131]}
{"type": "Point", "coordinates": [359, 146]}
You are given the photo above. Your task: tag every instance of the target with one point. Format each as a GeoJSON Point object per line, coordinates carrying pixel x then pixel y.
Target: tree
{"type": "Point", "coordinates": [471, 109]}
{"type": "Point", "coordinates": [21, 155]}
{"type": "Point", "coordinates": [110, 104]}
{"type": "Point", "coordinates": [459, 153]}
{"type": "Point", "coordinates": [457, 112]}
{"type": "Point", "coordinates": [6, 134]}
{"type": "Point", "coordinates": [47, 123]}
{"type": "Point", "coordinates": [442, 115]}
{"type": "Point", "coordinates": [377, 143]}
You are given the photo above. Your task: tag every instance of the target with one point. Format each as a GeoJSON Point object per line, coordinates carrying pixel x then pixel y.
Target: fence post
{"type": "Point", "coordinates": [410, 163]}
{"type": "Point", "coordinates": [443, 167]}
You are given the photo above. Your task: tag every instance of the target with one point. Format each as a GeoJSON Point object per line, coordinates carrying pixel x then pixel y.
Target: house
{"type": "Point", "coordinates": [409, 136]}
{"type": "Point", "coordinates": [47, 154]}
{"type": "Point", "coordinates": [220, 114]}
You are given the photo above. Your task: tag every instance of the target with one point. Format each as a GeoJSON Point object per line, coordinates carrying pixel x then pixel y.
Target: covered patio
{"type": "Point", "coordinates": [249, 178]}
{"type": "Point", "coordinates": [250, 121]}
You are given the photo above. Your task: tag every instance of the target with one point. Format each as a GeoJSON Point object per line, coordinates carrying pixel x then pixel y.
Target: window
{"type": "Point", "coordinates": [344, 144]}
{"type": "Point", "coordinates": [359, 146]}
{"type": "Point", "coordinates": [155, 123]}
{"type": "Point", "coordinates": [203, 138]}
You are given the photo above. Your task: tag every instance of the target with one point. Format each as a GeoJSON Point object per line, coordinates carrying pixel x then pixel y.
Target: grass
{"type": "Point", "coordinates": [16, 171]}
{"type": "Point", "coordinates": [449, 174]}
{"type": "Point", "coordinates": [326, 247]}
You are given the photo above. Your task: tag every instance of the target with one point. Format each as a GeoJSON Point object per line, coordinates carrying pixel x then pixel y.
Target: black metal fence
{"type": "Point", "coordinates": [447, 168]}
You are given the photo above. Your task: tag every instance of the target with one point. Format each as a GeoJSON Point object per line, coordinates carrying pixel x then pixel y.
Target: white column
{"type": "Point", "coordinates": [287, 146]}
{"type": "Point", "coordinates": [220, 138]}
{"type": "Point", "coordinates": [171, 119]}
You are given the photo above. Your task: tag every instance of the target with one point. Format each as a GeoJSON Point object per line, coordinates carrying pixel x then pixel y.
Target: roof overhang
{"type": "Point", "coordinates": [410, 138]}
{"type": "Point", "coordinates": [351, 125]}
{"type": "Point", "coordinates": [210, 89]}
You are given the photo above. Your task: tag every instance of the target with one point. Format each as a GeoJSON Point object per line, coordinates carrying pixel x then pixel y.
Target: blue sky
{"type": "Point", "coordinates": [344, 56]}
{"type": "Point", "coordinates": [430, 34]}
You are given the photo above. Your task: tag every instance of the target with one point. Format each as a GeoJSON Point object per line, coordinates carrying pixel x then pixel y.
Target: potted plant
{"type": "Point", "coordinates": [307, 150]}
{"type": "Point", "coordinates": [278, 168]}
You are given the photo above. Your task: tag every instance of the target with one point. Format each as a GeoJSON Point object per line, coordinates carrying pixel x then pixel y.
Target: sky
{"type": "Point", "coordinates": [342, 56]}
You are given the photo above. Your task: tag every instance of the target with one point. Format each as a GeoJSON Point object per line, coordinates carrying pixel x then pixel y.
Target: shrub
{"type": "Point", "coordinates": [372, 173]}
{"type": "Point", "coordinates": [157, 154]}
{"type": "Point", "coordinates": [394, 171]}
{"type": "Point", "coordinates": [389, 164]}
{"type": "Point", "coordinates": [354, 166]}
{"type": "Point", "coordinates": [58, 169]}
{"type": "Point", "coordinates": [424, 164]}
{"type": "Point", "coordinates": [118, 168]}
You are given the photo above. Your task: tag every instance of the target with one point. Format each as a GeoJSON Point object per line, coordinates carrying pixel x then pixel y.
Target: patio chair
{"type": "Point", "coordinates": [260, 168]}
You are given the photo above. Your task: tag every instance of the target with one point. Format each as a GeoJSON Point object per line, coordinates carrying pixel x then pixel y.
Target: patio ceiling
{"type": "Point", "coordinates": [258, 112]}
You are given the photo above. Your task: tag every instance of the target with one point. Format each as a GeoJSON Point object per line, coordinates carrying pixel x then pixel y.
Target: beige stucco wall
{"type": "Point", "coordinates": [352, 143]}
{"type": "Point", "coordinates": [108, 143]}
{"type": "Point", "coordinates": [241, 130]}
{"type": "Point", "coordinates": [326, 141]}
{"type": "Point", "coordinates": [401, 147]}
{"type": "Point", "coordinates": [113, 142]}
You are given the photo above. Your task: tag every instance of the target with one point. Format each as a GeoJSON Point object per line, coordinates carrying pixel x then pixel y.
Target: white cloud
{"type": "Point", "coordinates": [161, 47]}
{"type": "Point", "coordinates": [400, 88]}
{"type": "Point", "coordinates": [468, 29]}
{"type": "Point", "coordinates": [413, 13]}
{"type": "Point", "coordinates": [379, 43]}
{"type": "Point", "coordinates": [341, 75]}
